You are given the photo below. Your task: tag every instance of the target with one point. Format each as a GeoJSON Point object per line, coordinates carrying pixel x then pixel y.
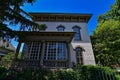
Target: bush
{"type": "Point", "coordinates": [79, 73]}
{"type": "Point", "coordinates": [3, 73]}
{"type": "Point", "coordinates": [96, 72]}
{"type": "Point", "coordinates": [117, 77]}
{"type": "Point", "coordinates": [63, 74]}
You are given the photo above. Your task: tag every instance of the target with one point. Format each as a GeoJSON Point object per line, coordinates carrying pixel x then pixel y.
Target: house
{"type": "Point", "coordinates": [5, 48]}
{"type": "Point", "coordinates": [61, 42]}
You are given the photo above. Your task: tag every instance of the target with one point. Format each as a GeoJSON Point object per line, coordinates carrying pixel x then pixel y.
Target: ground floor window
{"type": "Point", "coordinates": [55, 51]}
{"type": "Point", "coordinates": [79, 56]}
{"type": "Point", "coordinates": [32, 50]}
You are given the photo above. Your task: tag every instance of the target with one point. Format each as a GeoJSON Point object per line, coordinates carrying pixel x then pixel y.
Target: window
{"type": "Point", "coordinates": [79, 56]}
{"type": "Point", "coordinates": [60, 28]}
{"type": "Point", "coordinates": [33, 50]}
{"type": "Point", "coordinates": [77, 36]}
{"type": "Point", "coordinates": [55, 51]}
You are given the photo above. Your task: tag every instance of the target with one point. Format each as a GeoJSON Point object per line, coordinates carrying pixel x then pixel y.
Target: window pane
{"type": "Point", "coordinates": [61, 51]}
{"type": "Point", "coordinates": [77, 34]}
{"type": "Point", "coordinates": [32, 50]}
{"type": "Point", "coordinates": [79, 56]}
{"type": "Point", "coordinates": [55, 51]}
{"type": "Point", "coordinates": [60, 28]}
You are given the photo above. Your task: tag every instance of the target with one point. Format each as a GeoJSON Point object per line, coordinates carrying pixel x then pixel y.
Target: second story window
{"type": "Point", "coordinates": [77, 36]}
{"type": "Point", "coordinates": [60, 28]}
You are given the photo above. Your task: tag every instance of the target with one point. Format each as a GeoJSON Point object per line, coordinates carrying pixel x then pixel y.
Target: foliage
{"type": "Point", "coordinates": [3, 73]}
{"type": "Point", "coordinates": [106, 43]}
{"type": "Point", "coordinates": [117, 77]}
{"type": "Point", "coordinates": [12, 14]}
{"type": "Point", "coordinates": [62, 74]}
{"type": "Point", "coordinates": [96, 72]}
{"type": "Point", "coordinates": [39, 28]}
{"type": "Point", "coordinates": [106, 37]}
{"type": "Point", "coordinates": [113, 13]}
{"type": "Point", "coordinates": [6, 61]}
{"type": "Point", "coordinates": [79, 73]}
{"type": "Point", "coordinates": [28, 74]}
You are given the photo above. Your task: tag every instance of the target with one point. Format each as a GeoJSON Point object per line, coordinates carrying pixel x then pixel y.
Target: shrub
{"type": "Point", "coordinates": [117, 77]}
{"type": "Point", "coordinates": [96, 72]}
{"type": "Point", "coordinates": [3, 73]}
{"type": "Point", "coordinates": [63, 74]}
{"type": "Point", "coordinates": [79, 73]}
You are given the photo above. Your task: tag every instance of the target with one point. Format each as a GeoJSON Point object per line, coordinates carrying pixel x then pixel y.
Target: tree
{"type": "Point", "coordinates": [113, 13]}
{"type": "Point", "coordinates": [105, 39]}
{"type": "Point", "coordinates": [12, 14]}
{"type": "Point", "coordinates": [106, 42]}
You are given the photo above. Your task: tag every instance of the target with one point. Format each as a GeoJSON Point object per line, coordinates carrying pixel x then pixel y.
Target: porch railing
{"type": "Point", "coordinates": [36, 64]}
{"type": "Point", "coordinates": [55, 64]}
{"type": "Point", "coordinates": [27, 63]}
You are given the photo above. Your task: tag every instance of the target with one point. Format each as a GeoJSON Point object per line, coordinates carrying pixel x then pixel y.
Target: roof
{"type": "Point", "coordinates": [64, 17]}
{"type": "Point", "coordinates": [6, 46]}
{"type": "Point", "coordinates": [47, 13]}
{"type": "Point", "coordinates": [2, 54]}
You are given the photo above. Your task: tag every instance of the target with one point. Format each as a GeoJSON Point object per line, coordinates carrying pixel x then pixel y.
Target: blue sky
{"type": "Point", "coordinates": [95, 7]}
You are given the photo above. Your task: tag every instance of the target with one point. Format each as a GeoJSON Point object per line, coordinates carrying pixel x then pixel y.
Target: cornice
{"type": "Point", "coordinates": [61, 17]}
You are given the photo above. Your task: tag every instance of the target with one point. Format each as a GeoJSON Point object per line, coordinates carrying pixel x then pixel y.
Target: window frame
{"type": "Point", "coordinates": [77, 36]}
{"type": "Point", "coordinates": [60, 30]}
{"type": "Point", "coordinates": [79, 55]}
{"type": "Point", "coordinates": [32, 50]}
{"type": "Point", "coordinates": [57, 49]}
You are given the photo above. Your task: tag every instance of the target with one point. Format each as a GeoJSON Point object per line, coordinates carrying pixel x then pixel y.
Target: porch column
{"type": "Point", "coordinates": [69, 55]}
{"type": "Point", "coordinates": [16, 55]}
{"type": "Point", "coordinates": [17, 50]}
{"type": "Point", "coordinates": [43, 51]}
{"type": "Point", "coordinates": [24, 51]}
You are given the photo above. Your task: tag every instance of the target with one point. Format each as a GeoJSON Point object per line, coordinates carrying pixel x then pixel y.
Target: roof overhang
{"type": "Point", "coordinates": [1, 54]}
{"type": "Point", "coordinates": [62, 17]}
{"type": "Point", "coordinates": [45, 36]}
{"type": "Point", "coordinates": [5, 50]}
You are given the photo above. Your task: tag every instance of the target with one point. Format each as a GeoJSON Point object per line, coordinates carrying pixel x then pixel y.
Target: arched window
{"type": "Point", "coordinates": [60, 28]}
{"type": "Point", "coordinates": [79, 55]}
{"type": "Point", "coordinates": [77, 36]}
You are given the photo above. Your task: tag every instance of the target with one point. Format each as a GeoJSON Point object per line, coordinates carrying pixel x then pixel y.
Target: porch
{"type": "Point", "coordinates": [44, 49]}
